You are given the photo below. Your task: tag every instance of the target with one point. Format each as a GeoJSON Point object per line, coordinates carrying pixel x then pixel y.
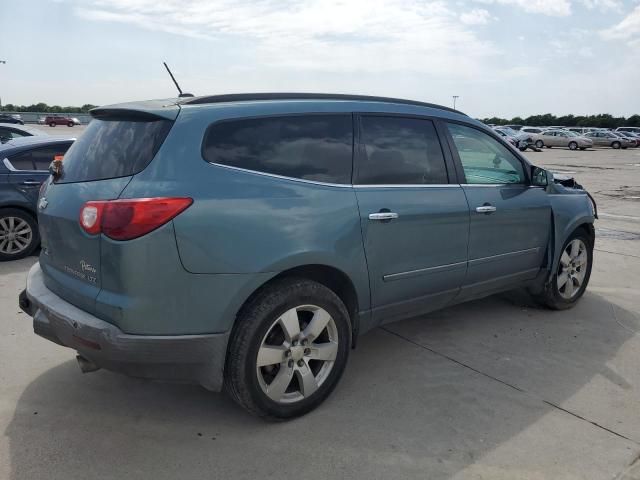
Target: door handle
{"type": "Point", "coordinates": [383, 216]}
{"type": "Point", "coordinates": [31, 183]}
{"type": "Point", "coordinates": [486, 209]}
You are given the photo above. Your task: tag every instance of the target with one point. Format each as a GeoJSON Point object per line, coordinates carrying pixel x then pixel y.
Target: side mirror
{"type": "Point", "coordinates": [539, 177]}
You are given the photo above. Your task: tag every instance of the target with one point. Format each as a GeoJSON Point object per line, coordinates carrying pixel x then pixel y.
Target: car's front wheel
{"type": "Point", "coordinates": [573, 146]}
{"type": "Point", "coordinates": [288, 349]}
{"type": "Point", "coordinates": [52, 124]}
{"type": "Point", "coordinates": [18, 234]}
{"type": "Point", "coordinates": [615, 145]}
{"type": "Point", "coordinates": [572, 273]}
{"type": "Point", "coordinates": [539, 144]}
{"type": "Point", "coordinates": [70, 124]}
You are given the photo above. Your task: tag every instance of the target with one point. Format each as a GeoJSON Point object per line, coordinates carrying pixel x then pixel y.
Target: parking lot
{"type": "Point", "coordinates": [497, 388]}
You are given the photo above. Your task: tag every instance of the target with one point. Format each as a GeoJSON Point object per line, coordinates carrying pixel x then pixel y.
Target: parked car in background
{"type": "Point", "coordinates": [24, 165]}
{"type": "Point", "coordinates": [563, 138]}
{"type": "Point", "coordinates": [605, 138]}
{"type": "Point", "coordinates": [631, 138]}
{"type": "Point", "coordinates": [514, 127]}
{"type": "Point", "coordinates": [13, 118]}
{"type": "Point", "coordinates": [520, 140]}
{"type": "Point", "coordinates": [42, 120]}
{"type": "Point", "coordinates": [9, 131]}
{"type": "Point", "coordinates": [628, 129]}
{"type": "Point", "coordinates": [53, 120]}
{"type": "Point", "coordinates": [534, 130]}
{"type": "Point", "coordinates": [145, 269]}
{"type": "Point", "coordinates": [580, 130]}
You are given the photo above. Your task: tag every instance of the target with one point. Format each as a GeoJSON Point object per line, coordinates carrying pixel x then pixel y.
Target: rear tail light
{"type": "Point", "coordinates": [130, 218]}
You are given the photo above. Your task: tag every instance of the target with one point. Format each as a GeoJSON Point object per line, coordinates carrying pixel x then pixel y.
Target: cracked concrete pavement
{"type": "Point", "coordinates": [497, 388]}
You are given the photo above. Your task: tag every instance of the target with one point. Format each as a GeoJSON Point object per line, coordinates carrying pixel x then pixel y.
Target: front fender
{"type": "Point", "coordinates": [569, 212]}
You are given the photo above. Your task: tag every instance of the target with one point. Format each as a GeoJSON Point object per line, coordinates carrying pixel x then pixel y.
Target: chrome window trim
{"type": "Point", "coordinates": [498, 185]}
{"type": "Point", "coordinates": [409, 185]}
{"type": "Point", "coordinates": [281, 177]}
{"type": "Point", "coordinates": [7, 163]}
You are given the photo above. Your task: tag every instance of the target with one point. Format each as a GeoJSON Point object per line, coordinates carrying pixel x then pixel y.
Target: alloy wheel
{"type": "Point", "coordinates": [15, 235]}
{"type": "Point", "coordinates": [297, 354]}
{"type": "Point", "coordinates": [573, 268]}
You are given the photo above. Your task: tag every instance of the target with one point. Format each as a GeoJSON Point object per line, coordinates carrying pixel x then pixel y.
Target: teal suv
{"type": "Point", "coordinates": [245, 241]}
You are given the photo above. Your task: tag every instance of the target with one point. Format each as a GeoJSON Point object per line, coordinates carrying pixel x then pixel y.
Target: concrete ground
{"type": "Point", "coordinates": [494, 389]}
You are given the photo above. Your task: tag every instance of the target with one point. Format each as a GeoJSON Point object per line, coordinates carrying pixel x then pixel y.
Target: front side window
{"type": "Point", "coordinates": [400, 151]}
{"type": "Point", "coordinates": [310, 147]}
{"type": "Point", "coordinates": [484, 159]}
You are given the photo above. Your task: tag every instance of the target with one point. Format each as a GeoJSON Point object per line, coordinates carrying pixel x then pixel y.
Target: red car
{"type": "Point", "coordinates": [53, 120]}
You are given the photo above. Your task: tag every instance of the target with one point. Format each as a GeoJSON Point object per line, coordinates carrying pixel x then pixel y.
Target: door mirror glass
{"type": "Point", "coordinates": [539, 177]}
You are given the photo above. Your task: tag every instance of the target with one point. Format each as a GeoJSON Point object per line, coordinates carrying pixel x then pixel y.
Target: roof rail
{"type": "Point", "coordinates": [246, 97]}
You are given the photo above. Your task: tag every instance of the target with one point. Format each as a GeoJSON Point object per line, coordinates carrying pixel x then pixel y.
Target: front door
{"type": "Point", "coordinates": [415, 224]}
{"type": "Point", "coordinates": [510, 220]}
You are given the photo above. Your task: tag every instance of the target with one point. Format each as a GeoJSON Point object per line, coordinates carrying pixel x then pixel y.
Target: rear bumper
{"type": "Point", "coordinates": [185, 358]}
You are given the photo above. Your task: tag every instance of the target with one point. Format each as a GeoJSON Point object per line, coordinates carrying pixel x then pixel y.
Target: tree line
{"type": "Point", "coordinates": [603, 120]}
{"type": "Point", "coordinates": [43, 107]}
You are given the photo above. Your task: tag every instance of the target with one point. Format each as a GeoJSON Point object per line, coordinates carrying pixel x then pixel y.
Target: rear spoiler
{"type": "Point", "coordinates": [139, 111]}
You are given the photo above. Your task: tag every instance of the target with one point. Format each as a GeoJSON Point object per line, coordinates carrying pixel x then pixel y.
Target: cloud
{"type": "Point", "coordinates": [615, 5]}
{"type": "Point", "coordinates": [627, 29]}
{"type": "Point", "coordinates": [329, 35]}
{"type": "Point", "coordinates": [556, 8]}
{"type": "Point", "coordinates": [477, 16]}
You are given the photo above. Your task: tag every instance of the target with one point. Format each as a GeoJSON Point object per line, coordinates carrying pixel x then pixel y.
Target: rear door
{"type": "Point", "coordinates": [510, 220]}
{"type": "Point", "coordinates": [98, 166]}
{"type": "Point", "coordinates": [415, 224]}
{"type": "Point", "coordinates": [27, 176]}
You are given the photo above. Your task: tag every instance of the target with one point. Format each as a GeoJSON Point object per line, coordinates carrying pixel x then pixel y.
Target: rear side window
{"type": "Point", "coordinates": [310, 147]}
{"type": "Point", "coordinates": [111, 148]}
{"type": "Point", "coordinates": [400, 151]}
{"type": "Point", "coordinates": [21, 161]}
{"type": "Point", "coordinates": [42, 157]}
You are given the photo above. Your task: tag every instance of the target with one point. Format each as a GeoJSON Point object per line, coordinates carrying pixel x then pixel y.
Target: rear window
{"type": "Point", "coordinates": [311, 147]}
{"type": "Point", "coordinates": [111, 148]}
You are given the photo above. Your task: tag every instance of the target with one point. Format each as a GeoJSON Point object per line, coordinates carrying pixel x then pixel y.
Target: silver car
{"type": "Point", "coordinates": [606, 138]}
{"type": "Point", "coordinates": [563, 138]}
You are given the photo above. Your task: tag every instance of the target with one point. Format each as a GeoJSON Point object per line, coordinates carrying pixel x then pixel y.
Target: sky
{"type": "Point", "coordinates": [501, 57]}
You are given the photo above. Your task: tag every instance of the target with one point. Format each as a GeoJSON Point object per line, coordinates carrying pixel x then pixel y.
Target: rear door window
{"type": "Point", "coordinates": [113, 147]}
{"type": "Point", "coordinates": [400, 151]}
{"type": "Point", "coordinates": [310, 147]}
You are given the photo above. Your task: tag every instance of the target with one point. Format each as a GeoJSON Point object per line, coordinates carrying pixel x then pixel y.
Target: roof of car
{"type": "Point", "coordinates": [252, 97]}
{"type": "Point", "coordinates": [34, 131]}
{"type": "Point", "coordinates": [35, 141]}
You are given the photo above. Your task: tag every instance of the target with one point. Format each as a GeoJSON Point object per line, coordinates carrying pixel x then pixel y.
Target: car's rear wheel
{"type": "Point", "coordinates": [572, 273]}
{"type": "Point", "coordinates": [573, 146]}
{"type": "Point", "coordinates": [539, 144]}
{"type": "Point", "coordinates": [52, 124]}
{"type": "Point", "coordinates": [18, 234]}
{"type": "Point", "coordinates": [288, 349]}
{"type": "Point", "coordinates": [615, 145]}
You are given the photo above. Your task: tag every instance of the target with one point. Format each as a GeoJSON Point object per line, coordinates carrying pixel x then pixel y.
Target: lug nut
{"type": "Point", "coordinates": [307, 351]}
{"type": "Point", "coordinates": [305, 342]}
{"type": "Point", "coordinates": [300, 363]}
{"type": "Point", "coordinates": [287, 353]}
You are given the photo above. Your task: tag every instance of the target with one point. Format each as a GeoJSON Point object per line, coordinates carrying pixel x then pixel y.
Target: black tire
{"type": "Point", "coordinates": [547, 146]}
{"type": "Point", "coordinates": [70, 124]}
{"type": "Point", "coordinates": [5, 213]}
{"type": "Point", "coordinates": [52, 124]}
{"type": "Point", "coordinates": [254, 322]}
{"type": "Point", "coordinates": [550, 296]}
{"type": "Point", "coordinates": [616, 145]}
{"type": "Point", "coordinates": [583, 148]}
{"type": "Point", "coordinates": [539, 144]}
{"type": "Point", "coordinates": [573, 146]}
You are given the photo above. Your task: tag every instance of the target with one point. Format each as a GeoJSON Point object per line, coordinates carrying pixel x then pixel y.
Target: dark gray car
{"type": "Point", "coordinates": [24, 166]}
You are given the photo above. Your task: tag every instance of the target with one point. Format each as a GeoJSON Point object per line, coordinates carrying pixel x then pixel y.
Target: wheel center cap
{"type": "Point", "coordinates": [297, 353]}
